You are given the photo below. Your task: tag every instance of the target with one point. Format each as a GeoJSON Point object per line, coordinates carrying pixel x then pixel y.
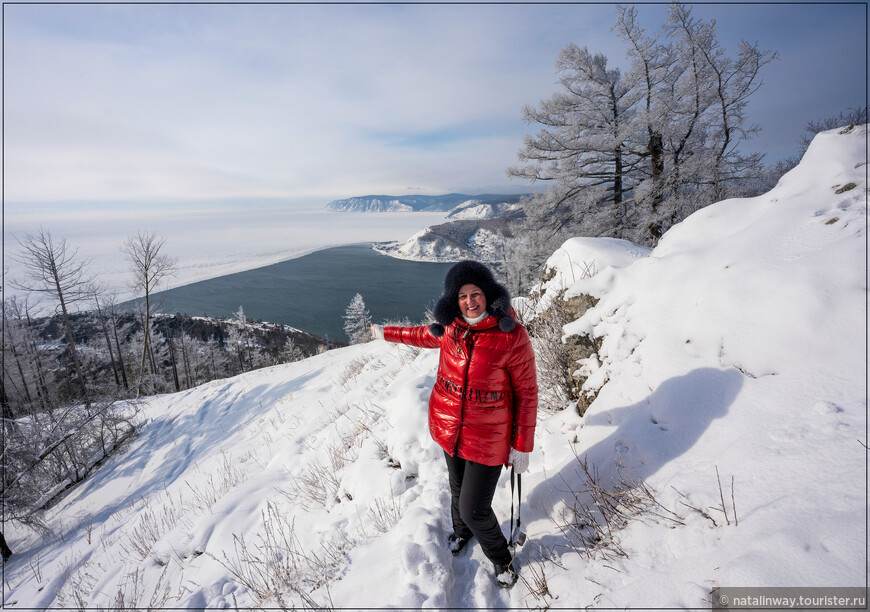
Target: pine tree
{"type": "Point", "coordinates": [357, 321]}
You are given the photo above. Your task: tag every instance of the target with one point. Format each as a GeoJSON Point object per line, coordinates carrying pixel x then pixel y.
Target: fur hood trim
{"type": "Point", "coordinates": [498, 300]}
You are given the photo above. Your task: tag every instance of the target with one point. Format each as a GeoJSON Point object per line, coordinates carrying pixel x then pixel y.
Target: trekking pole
{"type": "Point", "coordinates": [518, 537]}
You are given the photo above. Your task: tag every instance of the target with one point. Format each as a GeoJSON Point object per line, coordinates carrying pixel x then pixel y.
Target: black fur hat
{"type": "Point", "coordinates": [498, 301]}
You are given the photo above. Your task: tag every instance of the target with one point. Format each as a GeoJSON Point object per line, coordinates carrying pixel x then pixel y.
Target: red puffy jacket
{"type": "Point", "coordinates": [485, 398]}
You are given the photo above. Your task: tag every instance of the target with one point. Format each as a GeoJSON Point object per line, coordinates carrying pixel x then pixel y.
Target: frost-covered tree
{"type": "Point", "coordinates": [630, 154]}
{"type": "Point", "coordinates": [357, 321]}
{"type": "Point", "coordinates": [291, 352]}
{"type": "Point", "coordinates": [582, 146]}
{"type": "Point", "coordinates": [149, 266]}
{"type": "Point", "coordinates": [650, 79]}
{"type": "Point", "coordinates": [243, 340]}
{"type": "Point", "coordinates": [52, 269]}
{"type": "Point", "coordinates": [729, 82]}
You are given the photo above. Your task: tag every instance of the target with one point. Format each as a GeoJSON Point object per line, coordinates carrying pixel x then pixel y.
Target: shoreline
{"type": "Point", "coordinates": [256, 265]}
{"type": "Point", "coordinates": [373, 245]}
{"type": "Point", "coordinates": [211, 244]}
{"type": "Point", "coordinates": [311, 293]}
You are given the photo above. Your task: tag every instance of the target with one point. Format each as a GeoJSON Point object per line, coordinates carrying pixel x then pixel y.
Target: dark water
{"type": "Point", "coordinates": [312, 292]}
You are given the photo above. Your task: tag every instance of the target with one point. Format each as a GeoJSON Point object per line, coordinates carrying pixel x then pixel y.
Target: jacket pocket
{"type": "Point", "coordinates": [487, 414]}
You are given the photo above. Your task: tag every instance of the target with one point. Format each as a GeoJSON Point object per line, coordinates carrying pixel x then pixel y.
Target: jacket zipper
{"type": "Point", "coordinates": [470, 347]}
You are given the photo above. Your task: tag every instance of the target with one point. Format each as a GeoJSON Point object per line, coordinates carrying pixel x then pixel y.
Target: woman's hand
{"type": "Point", "coordinates": [377, 331]}
{"type": "Point", "coordinates": [519, 460]}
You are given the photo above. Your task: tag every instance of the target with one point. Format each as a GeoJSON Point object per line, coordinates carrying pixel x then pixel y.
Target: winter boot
{"type": "Point", "coordinates": [505, 575]}
{"type": "Point", "coordinates": [456, 543]}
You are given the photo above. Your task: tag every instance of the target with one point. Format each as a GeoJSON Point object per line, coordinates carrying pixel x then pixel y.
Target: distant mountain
{"type": "Point", "coordinates": [419, 203]}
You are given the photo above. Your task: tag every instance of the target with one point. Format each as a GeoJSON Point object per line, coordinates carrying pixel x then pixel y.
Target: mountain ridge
{"type": "Point", "coordinates": [416, 203]}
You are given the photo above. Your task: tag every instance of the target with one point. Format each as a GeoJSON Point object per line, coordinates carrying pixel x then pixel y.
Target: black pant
{"type": "Point", "coordinates": [4, 548]}
{"type": "Point", "coordinates": [472, 486]}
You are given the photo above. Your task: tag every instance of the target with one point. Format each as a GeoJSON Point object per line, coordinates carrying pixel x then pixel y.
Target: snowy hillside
{"type": "Point", "coordinates": [730, 393]}
{"type": "Point", "coordinates": [475, 209]}
{"type": "Point", "coordinates": [454, 241]}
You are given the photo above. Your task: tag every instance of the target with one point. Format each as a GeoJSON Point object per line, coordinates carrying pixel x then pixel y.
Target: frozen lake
{"type": "Point", "coordinates": [312, 292]}
{"type": "Point", "coordinates": [209, 239]}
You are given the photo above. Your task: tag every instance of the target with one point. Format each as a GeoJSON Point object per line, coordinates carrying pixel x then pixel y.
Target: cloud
{"type": "Point", "coordinates": [136, 102]}
{"type": "Point", "coordinates": [202, 101]}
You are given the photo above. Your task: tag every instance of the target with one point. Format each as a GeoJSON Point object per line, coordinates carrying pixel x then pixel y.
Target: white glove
{"type": "Point", "coordinates": [377, 331]}
{"type": "Point", "coordinates": [519, 460]}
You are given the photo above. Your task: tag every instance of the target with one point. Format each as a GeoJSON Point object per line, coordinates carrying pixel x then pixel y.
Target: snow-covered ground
{"type": "Point", "coordinates": [733, 353]}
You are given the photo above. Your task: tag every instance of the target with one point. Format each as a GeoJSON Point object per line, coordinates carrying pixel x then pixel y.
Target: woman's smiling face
{"type": "Point", "coordinates": [472, 302]}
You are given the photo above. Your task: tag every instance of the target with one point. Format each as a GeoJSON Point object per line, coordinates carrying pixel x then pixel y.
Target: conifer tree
{"type": "Point", "coordinates": [357, 321]}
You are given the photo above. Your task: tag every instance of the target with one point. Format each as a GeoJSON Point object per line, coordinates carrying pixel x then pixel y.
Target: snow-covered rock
{"type": "Point", "coordinates": [578, 258]}
{"type": "Point", "coordinates": [426, 245]}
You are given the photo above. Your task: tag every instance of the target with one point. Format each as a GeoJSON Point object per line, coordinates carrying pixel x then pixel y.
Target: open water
{"type": "Point", "coordinates": [312, 292]}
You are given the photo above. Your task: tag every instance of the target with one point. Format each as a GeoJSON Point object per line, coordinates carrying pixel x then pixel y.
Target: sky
{"type": "Point", "coordinates": [135, 104]}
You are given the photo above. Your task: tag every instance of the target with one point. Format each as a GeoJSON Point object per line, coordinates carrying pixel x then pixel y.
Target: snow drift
{"type": "Point", "coordinates": [730, 386]}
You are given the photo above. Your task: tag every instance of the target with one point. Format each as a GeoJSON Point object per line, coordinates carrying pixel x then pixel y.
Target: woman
{"type": "Point", "coordinates": [483, 407]}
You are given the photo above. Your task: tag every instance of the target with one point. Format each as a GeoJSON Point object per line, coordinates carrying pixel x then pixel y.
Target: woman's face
{"type": "Point", "coordinates": [472, 302]}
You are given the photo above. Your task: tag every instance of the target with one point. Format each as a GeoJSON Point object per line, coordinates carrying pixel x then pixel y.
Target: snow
{"type": "Point", "coordinates": [733, 353]}
{"type": "Point", "coordinates": [580, 258]}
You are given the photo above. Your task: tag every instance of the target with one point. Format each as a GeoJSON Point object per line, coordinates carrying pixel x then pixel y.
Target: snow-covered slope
{"type": "Point", "coordinates": [477, 230]}
{"type": "Point", "coordinates": [475, 209]}
{"type": "Point", "coordinates": [454, 241]}
{"type": "Point", "coordinates": [733, 353]}
{"type": "Point", "coordinates": [577, 259]}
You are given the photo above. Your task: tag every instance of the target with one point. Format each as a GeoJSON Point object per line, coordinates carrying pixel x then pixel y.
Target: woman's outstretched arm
{"type": "Point", "coordinates": [413, 336]}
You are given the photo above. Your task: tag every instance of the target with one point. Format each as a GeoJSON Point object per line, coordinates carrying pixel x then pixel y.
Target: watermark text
{"type": "Point", "coordinates": [789, 598]}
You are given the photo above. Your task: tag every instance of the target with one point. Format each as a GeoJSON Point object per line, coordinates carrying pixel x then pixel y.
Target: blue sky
{"type": "Point", "coordinates": [132, 103]}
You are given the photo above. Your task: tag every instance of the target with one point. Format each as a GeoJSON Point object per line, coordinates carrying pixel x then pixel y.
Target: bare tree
{"type": "Point", "coordinates": [650, 77]}
{"type": "Point", "coordinates": [730, 81]}
{"type": "Point", "coordinates": [110, 302]}
{"type": "Point", "coordinates": [149, 267]}
{"type": "Point", "coordinates": [52, 270]}
{"type": "Point", "coordinates": [10, 343]}
{"type": "Point", "coordinates": [98, 295]}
